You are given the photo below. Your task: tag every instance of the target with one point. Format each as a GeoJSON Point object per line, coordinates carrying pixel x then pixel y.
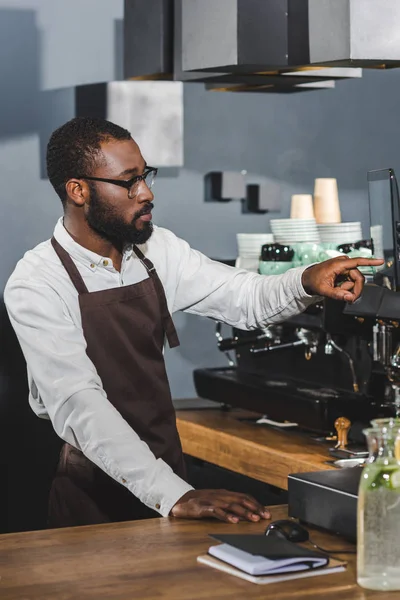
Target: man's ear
{"type": "Point", "coordinates": [77, 191]}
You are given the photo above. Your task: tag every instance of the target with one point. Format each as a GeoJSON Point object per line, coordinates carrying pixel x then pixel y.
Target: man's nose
{"type": "Point", "coordinates": [144, 193]}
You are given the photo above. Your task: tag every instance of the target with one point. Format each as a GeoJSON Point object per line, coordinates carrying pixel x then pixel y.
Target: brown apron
{"type": "Point", "coordinates": [124, 329]}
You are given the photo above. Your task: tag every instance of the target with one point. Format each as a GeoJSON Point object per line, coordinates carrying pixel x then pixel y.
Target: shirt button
{"type": "Point", "coordinates": [123, 480]}
{"type": "Point", "coordinates": [92, 266]}
{"type": "Point", "coordinates": [105, 263]}
{"type": "Point", "coordinates": [158, 506]}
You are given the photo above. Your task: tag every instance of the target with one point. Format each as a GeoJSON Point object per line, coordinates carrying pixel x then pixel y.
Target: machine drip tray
{"type": "Point", "coordinates": [314, 408]}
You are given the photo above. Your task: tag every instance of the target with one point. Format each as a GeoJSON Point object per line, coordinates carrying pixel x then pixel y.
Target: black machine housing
{"type": "Point", "coordinates": [331, 361]}
{"type": "Point", "coordinates": [310, 389]}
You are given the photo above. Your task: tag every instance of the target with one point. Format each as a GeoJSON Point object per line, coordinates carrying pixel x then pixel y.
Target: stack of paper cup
{"type": "Point", "coordinates": [302, 207]}
{"type": "Point", "coordinates": [326, 201]}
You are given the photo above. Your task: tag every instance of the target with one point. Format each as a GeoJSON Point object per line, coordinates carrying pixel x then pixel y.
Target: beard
{"type": "Point", "coordinates": [104, 220]}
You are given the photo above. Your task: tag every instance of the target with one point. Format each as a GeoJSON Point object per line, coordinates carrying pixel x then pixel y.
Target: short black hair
{"type": "Point", "coordinates": [74, 149]}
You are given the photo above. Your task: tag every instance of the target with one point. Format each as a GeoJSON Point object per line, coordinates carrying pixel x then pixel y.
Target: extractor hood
{"type": "Point", "coordinates": [253, 36]}
{"type": "Point", "coordinates": [188, 40]}
{"type": "Point", "coordinates": [271, 88]}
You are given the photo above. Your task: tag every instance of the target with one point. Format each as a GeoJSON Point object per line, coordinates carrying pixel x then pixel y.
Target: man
{"type": "Point", "coordinates": [92, 310]}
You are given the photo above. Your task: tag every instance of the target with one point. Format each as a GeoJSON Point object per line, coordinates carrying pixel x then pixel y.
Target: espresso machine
{"type": "Point", "coordinates": [334, 363]}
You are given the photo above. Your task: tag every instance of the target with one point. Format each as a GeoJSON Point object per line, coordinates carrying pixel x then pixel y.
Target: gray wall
{"type": "Point", "coordinates": [290, 139]}
{"type": "Point", "coordinates": [339, 133]}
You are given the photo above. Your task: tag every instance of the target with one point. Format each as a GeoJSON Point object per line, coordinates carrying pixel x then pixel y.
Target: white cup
{"type": "Point", "coordinates": [302, 207]}
{"type": "Point", "coordinates": [326, 201]}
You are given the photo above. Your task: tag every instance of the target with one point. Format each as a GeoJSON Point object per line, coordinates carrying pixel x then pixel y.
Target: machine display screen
{"type": "Point", "coordinates": [384, 214]}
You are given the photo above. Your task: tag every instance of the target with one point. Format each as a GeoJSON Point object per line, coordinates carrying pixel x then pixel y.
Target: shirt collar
{"type": "Point", "coordinates": [89, 259]}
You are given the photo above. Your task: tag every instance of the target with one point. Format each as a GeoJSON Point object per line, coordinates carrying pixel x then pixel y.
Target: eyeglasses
{"type": "Point", "coordinates": [131, 185]}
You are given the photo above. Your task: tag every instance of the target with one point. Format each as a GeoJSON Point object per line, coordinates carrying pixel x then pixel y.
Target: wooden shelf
{"type": "Point", "coordinates": [224, 439]}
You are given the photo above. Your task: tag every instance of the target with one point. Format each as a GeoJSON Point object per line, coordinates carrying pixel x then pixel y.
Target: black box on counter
{"type": "Point", "coordinates": [326, 499]}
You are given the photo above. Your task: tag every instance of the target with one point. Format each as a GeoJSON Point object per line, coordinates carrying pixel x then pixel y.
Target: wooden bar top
{"type": "Point", "coordinates": [152, 559]}
{"type": "Point", "coordinates": [259, 451]}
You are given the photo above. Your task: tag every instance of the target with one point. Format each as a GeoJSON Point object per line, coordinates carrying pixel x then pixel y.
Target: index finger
{"type": "Point", "coordinates": [255, 506]}
{"type": "Point", "coordinates": [245, 500]}
{"type": "Point", "coordinates": [353, 263]}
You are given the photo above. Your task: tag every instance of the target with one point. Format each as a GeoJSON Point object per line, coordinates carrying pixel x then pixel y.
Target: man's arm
{"type": "Point", "coordinates": [74, 398]}
{"type": "Point", "coordinates": [237, 297]}
{"type": "Point", "coordinates": [248, 300]}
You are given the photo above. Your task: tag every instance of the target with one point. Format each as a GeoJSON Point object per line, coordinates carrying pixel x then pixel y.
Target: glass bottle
{"type": "Point", "coordinates": [386, 422]}
{"type": "Point", "coordinates": [378, 526]}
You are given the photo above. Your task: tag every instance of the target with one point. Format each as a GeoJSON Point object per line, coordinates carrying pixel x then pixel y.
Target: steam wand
{"type": "Point", "coordinates": [220, 340]}
{"type": "Point", "coordinates": [330, 345]}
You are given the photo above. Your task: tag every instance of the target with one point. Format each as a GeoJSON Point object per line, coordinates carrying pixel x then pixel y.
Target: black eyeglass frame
{"type": "Point", "coordinates": [123, 183]}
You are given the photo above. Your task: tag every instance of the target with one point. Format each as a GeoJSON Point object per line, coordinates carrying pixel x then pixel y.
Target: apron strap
{"type": "Point", "coordinates": [70, 267]}
{"type": "Point", "coordinates": [169, 327]}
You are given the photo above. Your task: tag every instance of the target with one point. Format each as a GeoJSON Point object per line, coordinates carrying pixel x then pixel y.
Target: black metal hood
{"type": "Point", "coordinates": [252, 36]}
{"type": "Point", "coordinates": [237, 45]}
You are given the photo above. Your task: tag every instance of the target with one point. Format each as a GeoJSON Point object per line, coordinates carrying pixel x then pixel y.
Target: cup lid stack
{"type": "Point", "coordinates": [291, 231]}
{"type": "Point", "coordinates": [250, 244]}
{"type": "Point", "coordinates": [249, 249]}
{"type": "Point", "coordinates": [340, 233]}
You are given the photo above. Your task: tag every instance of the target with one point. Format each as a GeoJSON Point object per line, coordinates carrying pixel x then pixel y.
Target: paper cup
{"type": "Point", "coordinates": [302, 207]}
{"type": "Point", "coordinates": [326, 201]}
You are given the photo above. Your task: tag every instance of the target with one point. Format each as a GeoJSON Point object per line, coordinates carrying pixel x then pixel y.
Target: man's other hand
{"type": "Point", "coordinates": [338, 278]}
{"type": "Point", "coordinates": [219, 504]}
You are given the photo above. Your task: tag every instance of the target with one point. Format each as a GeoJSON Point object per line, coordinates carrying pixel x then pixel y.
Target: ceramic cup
{"type": "Point", "coordinates": [277, 253]}
{"type": "Point", "coordinates": [274, 267]}
{"type": "Point", "coordinates": [358, 250]}
{"type": "Point", "coordinates": [275, 259]}
{"type": "Point", "coordinates": [307, 253]}
{"type": "Point", "coordinates": [327, 254]}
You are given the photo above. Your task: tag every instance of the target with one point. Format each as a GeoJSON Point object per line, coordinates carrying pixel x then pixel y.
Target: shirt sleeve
{"type": "Point", "coordinates": [68, 386]}
{"type": "Point", "coordinates": [237, 297]}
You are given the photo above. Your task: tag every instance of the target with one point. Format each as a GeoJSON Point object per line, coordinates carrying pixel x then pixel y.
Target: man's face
{"type": "Point", "coordinates": [110, 212]}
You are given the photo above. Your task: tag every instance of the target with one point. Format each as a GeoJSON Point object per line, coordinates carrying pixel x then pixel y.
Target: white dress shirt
{"type": "Point", "coordinates": [43, 307]}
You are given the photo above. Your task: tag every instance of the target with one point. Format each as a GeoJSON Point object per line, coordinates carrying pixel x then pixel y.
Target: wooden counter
{"type": "Point", "coordinates": [153, 559]}
{"type": "Point", "coordinates": [221, 438]}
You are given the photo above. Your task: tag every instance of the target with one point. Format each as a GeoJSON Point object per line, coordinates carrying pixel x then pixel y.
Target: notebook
{"type": "Point", "coordinates": [262, 555]}
{"type": "Point", "coordinates": [334, 566]}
